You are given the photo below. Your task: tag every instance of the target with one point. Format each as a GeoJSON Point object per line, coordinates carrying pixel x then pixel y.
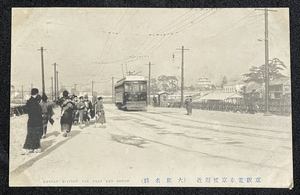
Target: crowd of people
{"type": "Point", "coordinates": [74, 110]}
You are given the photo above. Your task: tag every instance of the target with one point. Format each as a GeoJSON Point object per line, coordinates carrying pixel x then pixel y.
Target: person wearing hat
{"type": "Point", "coordinates": [100, 114]}
{"type": "Point", "coordinates": [47, 113]}
{"type": "Point", "coordinates": [67, 108]}
{"type": "Point", "coordinates": [34, 124]}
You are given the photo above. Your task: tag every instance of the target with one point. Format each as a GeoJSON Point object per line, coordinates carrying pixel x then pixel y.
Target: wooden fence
{"type": "Point", "coordinates": [277, 107]}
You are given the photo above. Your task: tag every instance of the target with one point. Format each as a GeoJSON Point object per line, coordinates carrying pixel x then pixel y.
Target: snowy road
{"type": "Point", "coordinates": [160, 147]}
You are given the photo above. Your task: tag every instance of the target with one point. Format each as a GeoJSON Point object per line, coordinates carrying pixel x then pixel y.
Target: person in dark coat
{"type": "Point", "coordinates": [34, 124]}
{"type": "Point", "coordinates": [190, 105]}
{"type": "Point", "coordinates": [47, 113]}
{"type": "Point", "coordinates": [67, 108]}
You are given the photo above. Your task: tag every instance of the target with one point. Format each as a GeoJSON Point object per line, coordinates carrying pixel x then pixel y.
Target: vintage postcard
{"type": "Point", "coordinates": [160, 97]}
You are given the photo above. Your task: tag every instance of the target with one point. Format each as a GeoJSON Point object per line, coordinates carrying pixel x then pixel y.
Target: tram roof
{"type": "Point", "coordinates": [132, 78]}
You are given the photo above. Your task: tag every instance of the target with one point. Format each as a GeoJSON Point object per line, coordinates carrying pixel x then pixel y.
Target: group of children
{"type": "Point", "coordinates": [85, 110]}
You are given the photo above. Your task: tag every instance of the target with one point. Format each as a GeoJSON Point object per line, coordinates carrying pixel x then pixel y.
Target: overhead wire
{"type": "Point", "coordinates": [115, 38]}
{"type": "Point", "coordinates": [155, 34]}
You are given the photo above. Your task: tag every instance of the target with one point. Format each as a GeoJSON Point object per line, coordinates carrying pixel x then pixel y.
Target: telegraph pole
{"type": "Point", "coordinates": [52, 88]}
{"type": "Point", "coordinates": [55, 90]}
{"type": "Point", "coordinates": [267, 111]}
{"type": "Point", "coordinates": [112, 89]}
{"type": "Point", "coordinates": [92, 88]}
{"type": "Point", "coordinates": [267, 95]}
{"type": "Point", "coordinates": [149, 91]}
{"type": "Point", "coordinates": [57, 83]}
{"type": "Point", "coordinates": [22, 95]}
{"type": "Point", "coordinates": [182, 75]}
{"type": "Point", "coordinates": [43, 80]}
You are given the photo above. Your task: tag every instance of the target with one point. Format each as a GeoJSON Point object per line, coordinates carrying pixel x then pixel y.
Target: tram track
{"type": "Point", "coordinates": [207, 128]}
{"type": "Point", "coordinates": [194, 135]}
{"type": "Point", "coordinates": [207, 154]}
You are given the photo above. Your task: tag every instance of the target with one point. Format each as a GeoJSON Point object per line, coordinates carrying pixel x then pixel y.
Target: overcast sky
{"type": "Point", "coordinates": [91, 44]}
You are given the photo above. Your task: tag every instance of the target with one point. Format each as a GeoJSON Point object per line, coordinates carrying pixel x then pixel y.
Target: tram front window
{"type": "Point", "coordinates": [135, 87]}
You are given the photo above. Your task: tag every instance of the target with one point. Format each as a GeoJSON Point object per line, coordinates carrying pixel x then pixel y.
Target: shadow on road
{"type": "Point", "coordinates": [47, 144]}
{"type": "Point", "coordinates": [130, 140]}
{"type": "Point", "coordinates": [55, 133]}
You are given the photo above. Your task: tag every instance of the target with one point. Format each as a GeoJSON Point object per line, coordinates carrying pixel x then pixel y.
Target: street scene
{"type": "Point", "coordinates": [151, 97]}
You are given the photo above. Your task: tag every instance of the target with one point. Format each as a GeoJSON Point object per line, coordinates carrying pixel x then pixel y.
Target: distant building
{"type": "Point", "coordinates": [222, 97]}
{"type": "Point", "coordinates": [238, 87]}
{"type": "Point", "coordinates": [203, 83]}
{"type": "Point", "coordinates": [280, 88]}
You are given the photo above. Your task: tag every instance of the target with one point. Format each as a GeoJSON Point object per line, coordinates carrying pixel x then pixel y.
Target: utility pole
{"type": "Point", "coordinates": [22, 95]}
{"type": "Point", "coordinates": [52, 88]}
{"type": "Point", "coordinates": [112, 89]}
{"type": "Point", "coordinates": [182, 75]}
{"type": "Point", "coordinates": [92, 88]}
{"type": "Point", "coordinates": [267, 95]}
{"type": "Point", "coordinates": [55, 90]}
{"type": "Point", "coordinates": [149, 79]}
{"type": "Point", "coordinates": [43, 80]}
{"type": "Point", "coordinates": [57, 83]}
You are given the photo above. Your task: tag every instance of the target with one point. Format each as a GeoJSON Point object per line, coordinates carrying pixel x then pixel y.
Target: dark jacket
{"type": "Point", "coordinates": [34, 111]}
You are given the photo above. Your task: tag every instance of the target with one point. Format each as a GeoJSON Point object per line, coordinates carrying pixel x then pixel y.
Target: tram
{"type": "Point", "coordinates": [131, 93]}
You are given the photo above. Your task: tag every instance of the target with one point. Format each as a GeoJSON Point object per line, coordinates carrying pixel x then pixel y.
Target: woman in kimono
{"type": "Point", "coordinates": [34, 124]}
{"type": "Point", "coordinates": [100, 114]}
{"type": "Point", "coordinates": [67, 108]}
{"type": "Point", "coordinates": [47, 113]}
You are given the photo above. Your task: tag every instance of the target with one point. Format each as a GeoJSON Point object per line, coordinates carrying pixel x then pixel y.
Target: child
{"type": "Point", "coordinates": [100, 114]}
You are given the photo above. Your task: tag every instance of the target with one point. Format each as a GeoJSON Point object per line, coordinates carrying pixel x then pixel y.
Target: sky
{"type": "Point", "coordinates": [96, 44]}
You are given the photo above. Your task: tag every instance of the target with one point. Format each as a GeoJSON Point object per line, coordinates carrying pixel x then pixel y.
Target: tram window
{"type": "Point", "coordinates": [127, 87]}
{"type": "Point", "coordinates": [143, 87]}
{"type": "Point", "coordinates": [135, 87]}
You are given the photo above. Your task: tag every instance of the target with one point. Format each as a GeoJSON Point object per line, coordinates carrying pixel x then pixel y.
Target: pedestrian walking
{"type": "Point", "coordinates": [186, 103]}
{"type": "Point", "coordinates": [100, 114]}
{"type": "Point", "coordinates": [190, 106]}
{"type": "Point", "coordinates": [81, 109]}
{"type": "Point", "coordinates": [88, 108]}
{"type": "Point", "coordinates": [34, 124]}
{"type": "Point", "coordinates": [75, 115]}
{"type": "Point", "coordinates": [47, 113]}
{"type": "Point", "coordinates": [67, 108]}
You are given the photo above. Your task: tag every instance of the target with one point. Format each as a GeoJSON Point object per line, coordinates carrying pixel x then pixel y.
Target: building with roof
{"type": "Point", "coordinates": [203, 83]}
{"type": "Point", "coordinates": [280, 88]}
{"type": "Point", "coordinates": [222, 97]}
{"type": "Point", "coordinates": [232, 87]}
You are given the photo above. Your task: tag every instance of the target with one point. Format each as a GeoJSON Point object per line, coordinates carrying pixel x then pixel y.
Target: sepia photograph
{"type": "Point", "coordinates": [150, 97]}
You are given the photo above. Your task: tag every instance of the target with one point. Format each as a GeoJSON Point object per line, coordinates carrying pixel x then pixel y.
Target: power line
{"type": "Point", "coordinates": [173, 21]}
{"type": "Point", "coordinates": [109, 35]}
{"type": "Point", "coordinates": [188, 22]}
{"type": "Point", "coordinates": [119, 31]}
{"type": "Point", "coordinates": [232, 25]}
{"type": "Point", "coordinates": [117, 34]}
{"type": "Point", "coordinates": [193, 23]}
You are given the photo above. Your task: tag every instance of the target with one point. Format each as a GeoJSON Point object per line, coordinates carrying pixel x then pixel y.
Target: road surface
{"type": "Point", "coordinates": [159, 147]}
